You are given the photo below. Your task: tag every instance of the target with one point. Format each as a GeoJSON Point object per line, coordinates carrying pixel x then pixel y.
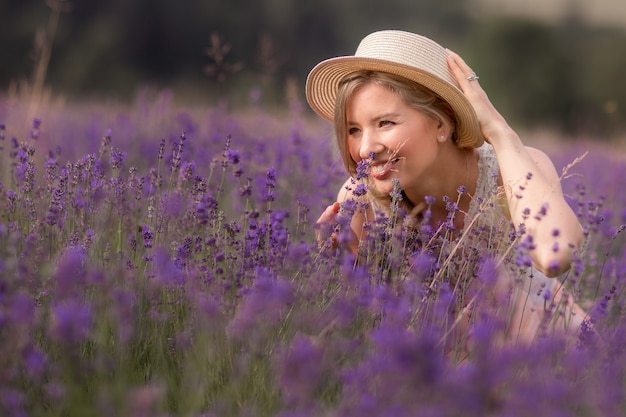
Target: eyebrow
{"type": "Point", "coordinates": [379, 117]}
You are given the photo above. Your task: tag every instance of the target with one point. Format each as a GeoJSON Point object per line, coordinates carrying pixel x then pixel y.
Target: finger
{"type": "Point", "coordinates": [324, 224]}
{"type": "Point", "coordinates": [459, 62]}
{"type": "Point", "coordinates": [329, 214]}
{"type": "Point", "coordinates": [460, 69]}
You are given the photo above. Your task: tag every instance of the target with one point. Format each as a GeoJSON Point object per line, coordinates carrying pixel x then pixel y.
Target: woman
{"type": "Point", "coordinates": [414, 114]}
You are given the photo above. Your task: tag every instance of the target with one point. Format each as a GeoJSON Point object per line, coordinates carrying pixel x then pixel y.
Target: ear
{"type": "Point", "coordinates": [443, 131]}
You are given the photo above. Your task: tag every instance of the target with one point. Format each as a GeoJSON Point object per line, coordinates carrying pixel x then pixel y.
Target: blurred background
{"type": "Point", "coordinates": [557, 64]}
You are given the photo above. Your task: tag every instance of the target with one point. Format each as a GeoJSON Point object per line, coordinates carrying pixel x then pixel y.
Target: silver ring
{"type": "Point", "coordinates": [473, 77]}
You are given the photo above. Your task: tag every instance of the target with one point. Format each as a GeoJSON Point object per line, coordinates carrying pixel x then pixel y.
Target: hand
{"type": "Point", "coordinates": [490, 120]}
{"type": "Point", "coordinates": [325, 226]}
{"type": "Point", "coordinates": [327, 232]}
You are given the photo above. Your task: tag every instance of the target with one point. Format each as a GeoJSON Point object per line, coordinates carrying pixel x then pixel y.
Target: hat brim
{"type": "Point", "coordinates": [323, 82]}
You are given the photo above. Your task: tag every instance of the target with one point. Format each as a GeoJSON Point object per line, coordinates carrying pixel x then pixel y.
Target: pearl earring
{"type": "Point", "coordinates": [442, 137]}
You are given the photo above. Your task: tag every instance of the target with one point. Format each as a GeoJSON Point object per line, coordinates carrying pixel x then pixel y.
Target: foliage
{"type": "Point", "coordinates": [156, 260]}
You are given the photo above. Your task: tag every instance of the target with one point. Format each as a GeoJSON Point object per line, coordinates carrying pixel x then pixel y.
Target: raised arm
{"type": "Point", "coordinates": [532, 185]}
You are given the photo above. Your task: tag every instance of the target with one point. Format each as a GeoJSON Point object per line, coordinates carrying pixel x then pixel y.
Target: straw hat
{"type": "Point", "coordinates": [401, 53]}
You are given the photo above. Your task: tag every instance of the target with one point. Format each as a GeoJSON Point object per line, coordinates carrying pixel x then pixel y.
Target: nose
{"type": "Point", "coordinates": [370, 145]}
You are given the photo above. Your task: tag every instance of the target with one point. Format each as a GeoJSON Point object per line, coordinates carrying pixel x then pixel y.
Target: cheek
{"type": "Point", "coordinates": [353, 150]}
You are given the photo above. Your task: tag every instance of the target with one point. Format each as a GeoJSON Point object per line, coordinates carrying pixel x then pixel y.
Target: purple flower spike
{"type": "Point", "coordinates": [265, 305]}
{"type": "Point", "coordinates": [547, 295]}
{"type": "Point", "coordinates": [360, 190]}
{"type": "Point", "coordinates": [12, 400]}
{"type": "Point", "coordinates": [300, 372]}
{"type": "Point", "coordinates": [396, 191]}
{"type": "Point", "coordinates": [148, 237]}
{"type": "Point", "coordinates": [35, 131]}
{"type": "Point", "coordinates": [34, 361]}
{"type": "Point", "coordinates": [362, 168]}
{"type": "Point", "coordinates": [22, 309]}
{"type": "Point", "coordinates": [117, 158]}
{"type": "Point", "coordinates": [71, 322]}
{"type": "Point", "coordinates": [187, 170]}
{"type": "Point", "coordinates": [270, 183]}
{"type": "Point", "coordinates": [166, 270]}
{"type": "Point", "coordinates": [232, 156]}
{"type": "Point", "coordinates": [70, 274]}
{"type": "Point", "coordinates": [270, 178]}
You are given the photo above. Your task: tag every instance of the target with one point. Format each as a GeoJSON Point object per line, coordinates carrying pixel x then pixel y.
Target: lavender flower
{"type": "Point", "coordinates": [57, 203]}
{"type": "Point", "coordinates": [11, 201]}
{"type": "Point", "coordinates": [161, 149]}
{"type": "Point", "coordinates": [360, 190]}
{"type": "Point", "coordinates": [396, 191]}
{"type": "Point", "coordinates": [117, 158]}
{"type": "Point", "coordinates": [167, 272]}
{"type": "Point", "coordinates": [35, 361]}
{"type": "Point", "coordinates": [21, 309]}
{"type": "Point", "coordinates": [71, 322]}
{"type": "Point", "coordinates": [25, 167]}
{"type": "Point", "coordinates": [300, 372]}
{"type": "Point", "coordinates": [70, 274]}
{"type": "Point", "coordinates": [177, 151]}
{"type": "Point", "coordinates": [187, 172]}
{"type": "Point", "coordinates": [148, 237]}
{"type": "Point", "coordinates": [362, 169]}
{"type": "Point", "coordinates": [232, 156]}
{"type": "Point", "coordinates": [35, 131]}
{"type": "Point", "coordinates": [270, 184]}
{"type": "Point", "coordinates": [50, 172]}
{"type": "Point", "coordinates": [264, 306]}
{"type": "Point", "coordinates": [12, 401]}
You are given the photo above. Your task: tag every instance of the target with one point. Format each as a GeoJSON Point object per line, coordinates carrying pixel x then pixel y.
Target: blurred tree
{"type": "Point", "coordinates": [522, 64]}
{"type": "Point", "coordinates": [564, 75]}
{"type": "Point", "coordinates": [220, 67]}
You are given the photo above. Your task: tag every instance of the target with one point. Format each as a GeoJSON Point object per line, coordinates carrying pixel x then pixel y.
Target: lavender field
{"type": "Point", "coordinates": [161, 261]}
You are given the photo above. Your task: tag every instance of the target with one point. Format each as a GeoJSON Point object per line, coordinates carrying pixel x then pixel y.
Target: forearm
{"type": "Point", "coordinates": [535, 199]}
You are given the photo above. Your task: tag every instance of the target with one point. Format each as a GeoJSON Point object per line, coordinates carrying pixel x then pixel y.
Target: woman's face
{"type": "Point", "coordinates": [402, 139]}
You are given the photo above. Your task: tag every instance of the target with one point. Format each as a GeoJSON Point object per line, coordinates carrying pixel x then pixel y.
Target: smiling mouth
{"type": "Point", "coordinates": [382, 170]}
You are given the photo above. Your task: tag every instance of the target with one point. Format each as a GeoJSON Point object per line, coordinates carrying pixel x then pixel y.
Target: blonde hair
{"type": "Point", "coordinates": [415, 95]}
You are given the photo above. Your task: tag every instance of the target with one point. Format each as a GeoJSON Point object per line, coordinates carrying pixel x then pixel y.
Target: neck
{"type": "Point", "coordinates": [446, 183]}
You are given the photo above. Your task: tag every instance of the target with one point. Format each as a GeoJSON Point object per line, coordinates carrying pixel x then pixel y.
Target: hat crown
{"type": "Point", "coordinates": [408, 49]}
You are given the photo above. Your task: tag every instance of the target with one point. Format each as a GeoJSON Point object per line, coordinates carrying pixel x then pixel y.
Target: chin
{"type": "Point", "coordinates": [381, 188]}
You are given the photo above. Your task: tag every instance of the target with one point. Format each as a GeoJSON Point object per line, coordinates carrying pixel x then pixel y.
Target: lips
{"type": "Point", "coordinates": [381, 170]}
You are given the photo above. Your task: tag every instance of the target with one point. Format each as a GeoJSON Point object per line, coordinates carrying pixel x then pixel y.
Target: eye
{"type": "Point", "coordinates": [384, 123]}
{"type": "Point", "coordinates": [353, 131]}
